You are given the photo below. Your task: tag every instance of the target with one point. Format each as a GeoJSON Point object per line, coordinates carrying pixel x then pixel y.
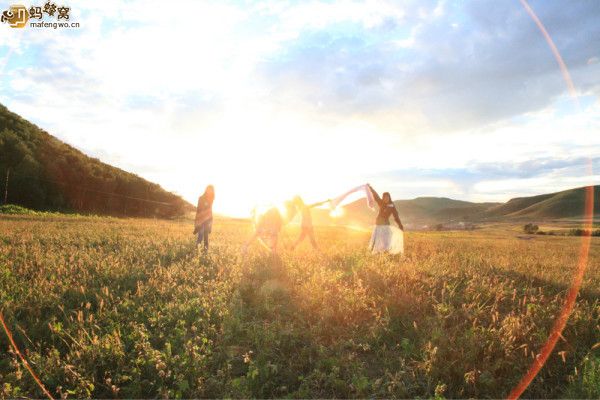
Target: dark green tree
{"type": "Point", "coordinates": [39, 171]}
{"type": "Point", "coordinates": [12, 152]}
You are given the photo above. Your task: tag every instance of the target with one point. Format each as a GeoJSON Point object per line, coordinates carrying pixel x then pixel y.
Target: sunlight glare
{"type": "Point", "coordinates": [337, 212]}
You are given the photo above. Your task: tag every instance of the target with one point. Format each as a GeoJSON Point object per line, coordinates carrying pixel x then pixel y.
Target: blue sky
{"type": "Point", "coordinates": [268, 99]}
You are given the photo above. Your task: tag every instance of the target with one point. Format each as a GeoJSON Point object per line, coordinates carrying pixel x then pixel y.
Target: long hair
{"type": "Point", "coordinates": [388, 196]}
{"type": "Point", "coordinates": [209, 193]}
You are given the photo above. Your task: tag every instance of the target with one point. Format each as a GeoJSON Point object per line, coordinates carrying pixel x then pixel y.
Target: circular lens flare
{"type": "Point", "coordinates": [561, 321]}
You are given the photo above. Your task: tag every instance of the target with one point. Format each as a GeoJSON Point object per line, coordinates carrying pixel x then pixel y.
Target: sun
{"type": "Point", "coordinates": [256, 160]}
{"type": "Point", "coordinates": [337, 212]}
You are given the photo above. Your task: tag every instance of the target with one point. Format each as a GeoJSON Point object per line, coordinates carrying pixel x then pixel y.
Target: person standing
{"type": "Point", "coordinates": [204, 217]}
{"type": "Point", "coordinates": [306, 226]}
{"type": "Point", "coordinates": [386, 238]}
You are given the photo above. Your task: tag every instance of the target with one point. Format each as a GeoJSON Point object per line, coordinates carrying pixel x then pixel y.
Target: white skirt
{"type": "Point", "coordinates": [387, 238]}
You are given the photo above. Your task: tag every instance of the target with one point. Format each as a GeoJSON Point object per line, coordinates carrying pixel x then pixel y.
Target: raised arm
{"type": "Point", "coordinates": [319, 203]}
{"type": "Point", "coordinates": [375, 195]}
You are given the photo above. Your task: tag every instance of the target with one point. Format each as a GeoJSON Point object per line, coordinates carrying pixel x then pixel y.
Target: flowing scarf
{"type": "Point", "coordinates": [362, 188]}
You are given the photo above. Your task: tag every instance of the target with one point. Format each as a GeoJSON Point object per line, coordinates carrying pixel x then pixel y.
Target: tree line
{"type": "Point", "coordinates": [40, 172]}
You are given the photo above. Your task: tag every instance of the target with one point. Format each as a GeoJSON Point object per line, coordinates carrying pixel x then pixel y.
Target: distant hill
{"type": "Point", "coordinates": [414, 213]}
{"type": "Point", "coordinates": [565, 204]}
{"type": "Point", "coordinates": [435, 209]}
{"type": "Point", "coordinates": [517, 204]}
{"type": "Point", "coordinates": [47, 174]}
{"type": "Point", "coordinates": [425, 211]}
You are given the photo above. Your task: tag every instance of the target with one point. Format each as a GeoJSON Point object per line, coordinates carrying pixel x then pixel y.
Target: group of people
{"type": "Point", "coordinates": [268, 225]}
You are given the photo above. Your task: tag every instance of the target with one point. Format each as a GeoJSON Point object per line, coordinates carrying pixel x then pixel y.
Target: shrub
{"type": "Point", "coordinates": [584, 232]}
{"type": "Point", "coordinates": [13, 209]}
{"type": "Point", "coordinates": [530, 228]}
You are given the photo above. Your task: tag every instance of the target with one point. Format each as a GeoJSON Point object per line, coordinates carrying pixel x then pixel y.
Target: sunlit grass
{"type": "Point", "coordinates": [126, 308]}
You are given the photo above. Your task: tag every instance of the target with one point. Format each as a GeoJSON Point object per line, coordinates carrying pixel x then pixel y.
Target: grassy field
{"type": "Point", "coordinates": [108, 308]}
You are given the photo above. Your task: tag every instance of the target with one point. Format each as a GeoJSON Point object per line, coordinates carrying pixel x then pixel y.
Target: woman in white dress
{"type": "Point", "coordinates": [385, 237]}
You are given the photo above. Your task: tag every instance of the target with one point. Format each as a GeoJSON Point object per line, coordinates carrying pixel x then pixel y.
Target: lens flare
{"type": "Point", "coordinates": [561, 321]}
{"type": "Point", "coordinates": [337, 212]}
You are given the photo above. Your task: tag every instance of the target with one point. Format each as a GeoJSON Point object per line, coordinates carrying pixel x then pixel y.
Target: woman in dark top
{"type": "Point", "coordinates": [203, 220]}
{"type": "Point", "coordinates": [386, 238]}
{"type": "Point", "coordinates": [386, 209]}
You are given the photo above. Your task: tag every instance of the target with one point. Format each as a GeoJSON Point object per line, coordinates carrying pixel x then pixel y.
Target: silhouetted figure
{"type": "Point", "coordinates": [306, 225]}
{"type": "Point", "coordinates": [267, 229]}
{"type": "Point", "coordinates": [204, 217]}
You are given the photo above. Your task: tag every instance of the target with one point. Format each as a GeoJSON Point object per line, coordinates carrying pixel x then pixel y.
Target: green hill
{"type": "Point", "coordinates": [469, 213]}
{"type": "Point", "coordinates": [565, 204]}
{"type": "Point", "coordinates": [433, 210]}
{"type": "Point", "coordinates": [439, 209]}
{"type": "Point", "coordinates": [433, 204]}
{"type": "Point", "coordinates": [416, 212]}
{"type": "Point", "coordinates": [44, 173]}
{"type": "Point", "coordinates": [517, 204]}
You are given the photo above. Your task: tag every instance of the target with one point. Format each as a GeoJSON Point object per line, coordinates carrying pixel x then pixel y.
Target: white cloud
{"type": "Point", "coordinates": [276, 98]}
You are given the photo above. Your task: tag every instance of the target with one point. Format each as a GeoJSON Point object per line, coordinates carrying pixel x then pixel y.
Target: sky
{"type": "Point", "coordinates": [267, 100]}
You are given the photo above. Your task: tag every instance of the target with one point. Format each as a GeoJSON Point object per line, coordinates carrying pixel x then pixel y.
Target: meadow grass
{"type": "Point", "coordinates": [126, 308]}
